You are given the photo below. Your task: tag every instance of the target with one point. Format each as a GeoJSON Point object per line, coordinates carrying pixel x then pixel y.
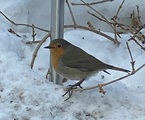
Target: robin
{"type": "Point", "coordinates": [73, 63]}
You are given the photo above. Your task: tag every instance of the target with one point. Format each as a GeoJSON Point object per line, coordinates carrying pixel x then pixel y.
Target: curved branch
{"type": "Point", "coordinates": [37, 48]}
{"type": "Point", "coordinates": [93, 3]}
{"type": "Point", "coordinates": [107, 83]}
{"type": "Point", "coordinates": [26, 25]}
{"type": "Point", "coordinates": [92, 30]}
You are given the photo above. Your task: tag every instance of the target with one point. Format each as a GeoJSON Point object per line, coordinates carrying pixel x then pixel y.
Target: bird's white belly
{"type": "Point", "coordinates": [74, 74]}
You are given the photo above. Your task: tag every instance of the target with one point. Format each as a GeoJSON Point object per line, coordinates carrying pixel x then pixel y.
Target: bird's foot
{"type": "Point", "coordinates": [70, 89]}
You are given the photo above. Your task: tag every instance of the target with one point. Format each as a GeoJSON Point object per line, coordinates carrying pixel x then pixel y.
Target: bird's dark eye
{"type": "Point", "coordinates": [59, 45]}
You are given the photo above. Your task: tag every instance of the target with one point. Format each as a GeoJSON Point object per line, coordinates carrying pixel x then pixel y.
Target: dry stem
{"type": "Point", "coordinates": [119, 8]}
{"type": "Point", "coordinates": [71, 13]}
{"type": "Point", "coordinates": [143, 48]}
{"type": "Point", "coordinates": [138, 15]}
{"type": "Point", "coordinates": [33, 32]}
{"type": "Point", "coordinates": [115, 20]}
{"type": "Point", "coordinates": [105, 20]}
{"type": "Point", "coordinates": [100, 86]}
{"type": "Point", "coordinates": [75, 25]}
{"type": "Point", "coordinates": [37, 48]}
{"type": "Point", "coordinates": [48, 73]}
{"type": "Point", "coordinates": [92, 30]}
{"type": "Point", "coordinates": [26, 25]}
{"type": "Point", "coordinates": [65, 26]}
{"type": "Point", "coordinates": [13, 32]}
{"type": "Point", "coordinates": [132, 61]}
{"type": "Point", "coordinates": [135, 36]}
{"type": "Point", "coordinates": [93, 3]}
{"type": "Point", "coordinates": [31, 42]}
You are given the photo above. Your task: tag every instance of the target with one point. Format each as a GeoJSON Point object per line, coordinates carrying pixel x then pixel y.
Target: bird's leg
{"type": "Point", "coordinates": [71, 87]}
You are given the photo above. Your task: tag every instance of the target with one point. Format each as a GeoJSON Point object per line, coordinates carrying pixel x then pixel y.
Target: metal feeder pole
{"type": "Point", "coordinates": [57, 30]}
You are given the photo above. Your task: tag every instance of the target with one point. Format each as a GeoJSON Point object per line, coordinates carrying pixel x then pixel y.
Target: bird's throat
{"type": "Point", "coordinates": [56, 57]}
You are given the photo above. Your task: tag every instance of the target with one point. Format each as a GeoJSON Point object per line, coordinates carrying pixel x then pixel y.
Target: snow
{"type": "Point", "coordinates": [25, 93]}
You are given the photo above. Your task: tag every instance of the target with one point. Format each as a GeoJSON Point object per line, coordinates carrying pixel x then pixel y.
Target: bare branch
{"type": "Point", "coordinates": [119, 8]}
{"type": "Point", "coordinates": [117, 23]}
{"type": "Point", "coordinates": [115, 28]}
{"type": "Point", "coordinates": [97, 13]}
{"type": "Point", "coordinates": [100, 86]}
{"type": "Point", "coordinates": [136, 36]}
{"type": "Point", "coordinates": [93, 3]}
{"type": "Point", "coordinates": [48, 73]}
{"type": "Point", "coordinates": [31, 42]}
{"type": "Point", "coordinates": [132, 61]}
{"type": "Point", "coordinates": [33, 32]}
{"type": "Point", "coordinates": [71, 13]}
{"type": "Point", "coordinates": [92, 30]}
{"type": "Point", "coordinates": [105, 19]}
{"type": "Point", "coordinates": [97, 16]}
{"type": "Point", "coordinates": [13, 32]}
{"type": "Point", "coordinates": [26, 25]}
{"type": "Point", "coordinates": [37, 48]}
{"type": "Point", "coordinates": [138, 15]}
{"type": "Point", "coordinates": [143, 48]}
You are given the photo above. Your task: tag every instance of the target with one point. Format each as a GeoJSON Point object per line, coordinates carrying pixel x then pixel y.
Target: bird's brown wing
{"type": "Point", "coordinates": [77, 58]}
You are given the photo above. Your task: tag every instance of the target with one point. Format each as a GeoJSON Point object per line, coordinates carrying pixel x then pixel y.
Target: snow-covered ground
{"type": "Point", "coordinates": [25, 94]}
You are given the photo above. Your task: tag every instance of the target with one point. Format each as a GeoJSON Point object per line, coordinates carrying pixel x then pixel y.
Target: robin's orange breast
{"type": "Point", "coordinates": [56, 55]}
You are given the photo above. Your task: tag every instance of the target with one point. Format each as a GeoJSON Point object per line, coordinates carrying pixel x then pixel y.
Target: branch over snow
{"type": "Point", "coordinates": [100, 86]}
{"type": "Point", "coordinates": [37, 48]}
{"type": "Point", "coordinates": [93, 3]}
{"type": "Point", "coordinates": [26, 25]}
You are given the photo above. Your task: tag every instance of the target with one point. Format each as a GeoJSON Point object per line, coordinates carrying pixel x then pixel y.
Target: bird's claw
{"type": "Point", "coordinates": [70, 89]}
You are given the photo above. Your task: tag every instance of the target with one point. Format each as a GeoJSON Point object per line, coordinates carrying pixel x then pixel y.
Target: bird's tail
{"type": "Point", "coordinates": [118, 69]}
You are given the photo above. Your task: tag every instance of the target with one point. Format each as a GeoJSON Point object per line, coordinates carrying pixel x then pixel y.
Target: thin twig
{"type": "Point", "coordinates": [33, 32]}
{"type": "Point", "coordinates": [48, 73]}
{"type": "Point", "coordinates": [115, 20]}
{"type": "Point", "coordinates": [115, 29]}
{"type": "Point", "coordinates": [93, 3]}
{"type": "Point", "coordinates": [113, 81]}
{"type": "Point", "coordinates": [132, 61]}
{"type": "Point", "coordinates": [97, 13]}
{"type": "Point", "coordinates": [136, 32]}
{"type": "Point", "coordinates": [105, 19]}
{"type": "Point", "coordinates": [140, 28]}
{"type": "Point", "coordinates": [100, 86]}
{"type": "Point", "coordinates": [26, 25]}
{"type": "Point", "coordinates": [13, 32]}
{"type": "Point", "coordinates": [31, 42]}
{"type": "Point", "coordinates": [92, 30]}
{"type": "Point", "coordinates": [71, 13]}
{"type": "Point", "coordinates": [118, 24]}
{"type": "Point", "coordinates": [83, 27]}
{"type": "Point", "coordinates": [143, 48]}
{"type": "Point", "coordinates": [138, 15]}
{"type": "Point", "coordinates": [119, 8]}
{"type": "Point", "coordinates": [66, 26]}
{"type": "Point", "coordinates": [96, 16]}
{"type": "Point", "coordinates": [37, 48]}
{"type": "Point", "coordinates": [135, 36]}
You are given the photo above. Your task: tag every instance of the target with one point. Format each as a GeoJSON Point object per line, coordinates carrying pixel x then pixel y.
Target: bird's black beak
{"type": "Point", "coordinates": [48, 47]}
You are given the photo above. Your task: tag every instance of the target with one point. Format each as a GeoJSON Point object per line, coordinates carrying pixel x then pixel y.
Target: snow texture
{"type": "Point", "coordinates": [25, 94]}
